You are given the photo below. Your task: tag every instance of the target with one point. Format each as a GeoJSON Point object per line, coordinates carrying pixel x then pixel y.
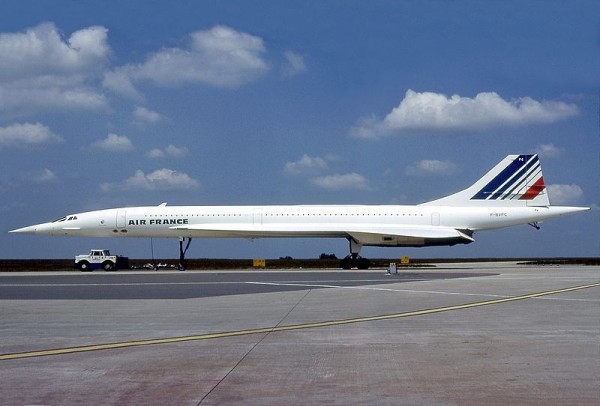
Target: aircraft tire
{"type": "Point", "coordinates": [363, 263]}
{"type": "Point", "coordinates": [347, 263]}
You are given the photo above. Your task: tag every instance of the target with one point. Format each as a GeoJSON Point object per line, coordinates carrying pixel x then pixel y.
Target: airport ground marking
{"type": "Point", "coordinates": [437, 292]}
{"type": "Point", "coordinates": [266, 330]}
{"type": "Point", "coordinates": [43, 285]}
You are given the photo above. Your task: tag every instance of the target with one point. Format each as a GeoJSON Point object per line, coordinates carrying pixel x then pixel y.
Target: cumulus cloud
{"type": "Point", "coordinates": [306, 165]}
{"type": "Point", "coordinates": [119, 82]}
{"type": "Point", "coordinates": [147, 116]}
{"type": "Point", "coordinates": [114, 143]}
{"type": "Point", "coordinates": [564, 194]}
{"type": "Point", "coordinates": [161, 179]}
{"type": "Point", "coordinates": [220, 56]}
{"type": "Point", "coordinates": [41, 51]}
{"type": "Point", "coordinates": [431, 167]}
{"type": "Point", "coordinates": [342, 181]}
{"type": "Point", "coordinates": [171, 151]}
{"type": "Point", "coordinates": [548, 150]}
{"type": "Point", "coordinates": [39, 69]}
{"type": "Point", "coordinates": [294, 64]}
{"type": "Point", "coordinates": [28, 96]}
{"type": "Point", "coordinates": [430, 111]}
{"type": "Point", "coordinates": [18, 135]}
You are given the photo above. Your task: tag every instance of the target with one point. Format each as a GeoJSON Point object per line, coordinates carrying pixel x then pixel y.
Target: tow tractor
{"type": "Point", "coordinates": [100, 259]}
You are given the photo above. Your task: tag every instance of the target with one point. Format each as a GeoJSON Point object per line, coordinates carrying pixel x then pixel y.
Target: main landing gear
{"type": "Point", "coordinates": [182, 251]}
{"type": "Point", "coordinates": [354, 260]}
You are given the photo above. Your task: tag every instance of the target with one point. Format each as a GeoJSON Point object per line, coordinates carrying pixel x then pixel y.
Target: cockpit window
{"type": "Point", "coordinates": [66, 218]}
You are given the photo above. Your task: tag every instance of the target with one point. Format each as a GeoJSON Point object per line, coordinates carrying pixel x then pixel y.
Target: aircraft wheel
{"type": "Point", "coordinates": [347, 263]}
{"type": "Point", "coordinates": [363, 263]}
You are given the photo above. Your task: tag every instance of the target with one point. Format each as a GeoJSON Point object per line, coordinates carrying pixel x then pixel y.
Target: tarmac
{"type": "Point", "coordinates": [459, 334]}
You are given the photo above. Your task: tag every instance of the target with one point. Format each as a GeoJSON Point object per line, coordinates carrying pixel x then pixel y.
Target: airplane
{"type": "Point", "coordinates": [511, 193]}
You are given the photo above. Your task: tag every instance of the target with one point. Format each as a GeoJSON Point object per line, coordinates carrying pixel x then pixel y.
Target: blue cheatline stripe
{"type": "Point", "coordinates": [515, 166]}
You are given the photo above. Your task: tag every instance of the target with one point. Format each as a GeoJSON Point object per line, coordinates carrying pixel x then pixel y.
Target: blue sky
{"type": "Point", "coordinates": [313, 102]}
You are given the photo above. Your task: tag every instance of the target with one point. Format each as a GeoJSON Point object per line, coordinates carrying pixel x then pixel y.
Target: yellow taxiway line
{"type": "Point", "coordinates": [125, 344]}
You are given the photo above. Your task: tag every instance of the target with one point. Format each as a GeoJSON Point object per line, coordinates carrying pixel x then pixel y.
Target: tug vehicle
{"type": "Point", "coordinates": [100, 259]}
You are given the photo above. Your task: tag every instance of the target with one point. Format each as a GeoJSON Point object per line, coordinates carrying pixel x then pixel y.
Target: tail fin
{"type": "Point", "coordinates": [516, 181]}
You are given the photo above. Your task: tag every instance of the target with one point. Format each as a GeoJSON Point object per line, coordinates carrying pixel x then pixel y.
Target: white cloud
{"type": "Point", "coordinates": [45, 176]}
{"type": "Point", "coordinates": [564, 194]}
{"type": "Point", "coordinates": [161, 179]}
{"type": "Point", "coordinates": [39, 69]}
{"type": "Point", "coordinates": [147, 116]}
{"type": "Point", "coordinates": [306, 165]}
{"type": "Point", "coordinates": [41, 51]}
{"type": "Point", "coordinates": [114, 143]}
{"type": "Point", "coordinates": [341, 182]}
{"type": "Point", "coordinates": [427, 167]}
{"type": "Point", "coordinates": [119, 82]}
{"type": "Point", "coordinates": [28, 96]}
{"type": "Point", "coordinates": [220, 56]}
{"type": "Point", "coordinates": [548, 150]}
{"type": "Point", "coordinates": [171, 151]}
{"type": "Point", "coordinates": [429, 111]}
{"type": "Point", "coordinates": [18, 135]}
{"type": "Point", "coordinates": [294, 64]}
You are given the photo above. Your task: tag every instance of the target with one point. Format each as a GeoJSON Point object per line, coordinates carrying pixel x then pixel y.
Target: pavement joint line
{"type": "Point", "coordinates": [266, 330]}
{"type": "Point", "coordinates": [320, 285]}
{"type": "Point", "coordinates": [377, 289]}
{"type": "Point", "coordinates": [13, 285]}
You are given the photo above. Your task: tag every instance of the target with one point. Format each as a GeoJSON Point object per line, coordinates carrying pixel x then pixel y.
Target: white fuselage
{"type": "Point", "coordinates": [512, 192]}
{"type": "Point", "coordinates": [385, 225]}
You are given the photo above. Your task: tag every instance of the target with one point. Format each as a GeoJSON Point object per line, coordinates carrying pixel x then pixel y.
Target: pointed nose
{"type": "Point", "coordinates": [46, 228]}
{"type": "Point", "coordinates": [25, 230]}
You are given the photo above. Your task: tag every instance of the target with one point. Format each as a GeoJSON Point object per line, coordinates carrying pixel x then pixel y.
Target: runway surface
{"type": "Point", "coordinates": [461, 334]}
{"type": "Point", "coordinates": [186, 285]}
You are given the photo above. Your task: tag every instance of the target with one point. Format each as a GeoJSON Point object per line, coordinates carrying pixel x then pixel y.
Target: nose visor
{"type": "Point", "coordinates": [38, 229]}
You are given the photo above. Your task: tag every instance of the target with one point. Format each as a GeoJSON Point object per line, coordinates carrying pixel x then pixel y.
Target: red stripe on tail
{"type": "Point", "coordinates": [534, 190]}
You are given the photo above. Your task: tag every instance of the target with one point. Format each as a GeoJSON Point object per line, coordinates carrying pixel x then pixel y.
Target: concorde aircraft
{"type": "Point", "coordinates": [511, 193]}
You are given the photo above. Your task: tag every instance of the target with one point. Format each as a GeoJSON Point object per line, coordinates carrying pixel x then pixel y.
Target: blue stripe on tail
{"type": "Point", "coordinates": [492, 190]}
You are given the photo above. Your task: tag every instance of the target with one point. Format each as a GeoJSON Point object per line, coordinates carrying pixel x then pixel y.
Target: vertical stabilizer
{"type": "Point", "coordinates": [516, 181]}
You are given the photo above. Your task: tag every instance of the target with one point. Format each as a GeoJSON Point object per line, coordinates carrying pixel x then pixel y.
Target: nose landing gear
{"type": "Point", "coordinates": [182, 251]}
